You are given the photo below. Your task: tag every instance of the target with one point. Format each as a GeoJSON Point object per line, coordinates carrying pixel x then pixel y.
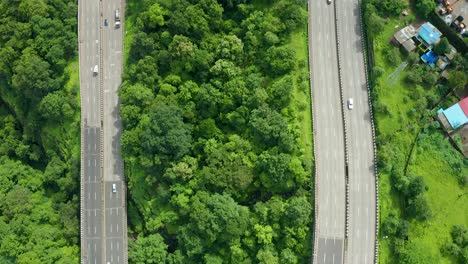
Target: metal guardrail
{"type": "Point", "coordinates": [82, 244]}
{"type": "Point", "coordinates": [364, 52]}
{"type": "Point", "coordinates": [124, 191]}
{"type": "Point", "coordinates": [316, 206]}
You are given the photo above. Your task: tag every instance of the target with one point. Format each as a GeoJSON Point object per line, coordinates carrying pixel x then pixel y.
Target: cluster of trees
{"type": "Point", "coordinates": [216, 171]}
{"type": "Point", "coordinates": [39, 173]}
{"type": "Point", "coordinates": [458, 247]}
{"type": "Point", "coordinates": [376, 12]}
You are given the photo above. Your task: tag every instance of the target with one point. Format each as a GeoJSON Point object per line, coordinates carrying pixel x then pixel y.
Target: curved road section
{"type": "Point", "coordinates": [328, 135]}
{"type": "Point", "coordinates": [345, 215]}
{"type": "Point", "coordinates": [103, 208]}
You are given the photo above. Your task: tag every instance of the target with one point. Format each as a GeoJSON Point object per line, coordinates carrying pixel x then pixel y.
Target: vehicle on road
{"type": "Point", "coordinates": [105, 22]}
{"type": "Point", "coordinates": [350, 103]}
{"type": "Point", "coordinates": [117, 18]}
{"type": "Point", "coordinates": [96, 70]}
{"type": "Point", "coordinates": [329, 1]}
{"type": "Point", "coordinates": [114, 189]}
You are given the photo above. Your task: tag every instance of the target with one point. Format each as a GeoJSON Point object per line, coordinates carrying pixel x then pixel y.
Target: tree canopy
{"type": "Point", "coordinates": [215, 170]}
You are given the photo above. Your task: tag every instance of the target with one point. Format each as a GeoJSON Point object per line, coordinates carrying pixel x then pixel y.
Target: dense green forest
{"type": "Point", "coordinates": [423, 177]}
{"type": "Point", "coordinates": [39, 121]}
{"type": "Point", "coordinates": [217, 171]}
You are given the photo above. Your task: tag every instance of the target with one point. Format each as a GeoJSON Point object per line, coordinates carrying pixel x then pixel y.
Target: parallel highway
{"type": "Point", "coordinates": [362, 199]}
{"type": "Point", "coordinates": [333, 122]}
{"type": "Point", "coordinates": [328, 135]}
{"type": "Point", "coordinates": [103, 211]}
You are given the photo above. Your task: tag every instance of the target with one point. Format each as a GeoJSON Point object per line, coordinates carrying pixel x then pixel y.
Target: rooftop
{"type": "Point", "coordinates": [430, 58]}
{"type": "Point", "coordinates": [457, 114]}
{"type": "Point", "coordinates": [429, 33]}
{"type": "Point", "coordinates": [404, 34]}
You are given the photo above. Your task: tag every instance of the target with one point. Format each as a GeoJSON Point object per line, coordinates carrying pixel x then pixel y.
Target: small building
{"type": "Point", "coordinates": [409, 46]}
{"type": "Point", "coordinates": [430, 58]}
{"type": "Point", "coordinates": [429, 34]}
{"type": "Point", "coordinates": [454, 116]}
{"type": "Point", "coordinates": [442, 63]}
{"type": "Point", "coordinates": [403, 35]}
{"type": "Point", "coordinates": [451, 54]}
{"type": "Point", "coordinates": [444, 75]}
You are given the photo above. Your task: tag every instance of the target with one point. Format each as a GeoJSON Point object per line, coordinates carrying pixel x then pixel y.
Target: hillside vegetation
{"type": "Point", "coordinates": [39, 124]}
{"type": "Point", "coordinates": [214, 101]}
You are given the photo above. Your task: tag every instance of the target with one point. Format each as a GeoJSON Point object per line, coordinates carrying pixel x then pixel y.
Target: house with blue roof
{"type": "Point", "coordinates": [430, 58]}
{"type": "Point", "coordinates": [454, 116]}
{"type": "Point", "coordinates": [429, 34]}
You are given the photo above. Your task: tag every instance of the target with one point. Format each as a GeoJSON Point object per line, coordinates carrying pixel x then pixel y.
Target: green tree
{"type": "Point", "coordinates": [424, 7]}
{"type": "Point", "coordinates": [457, 80]}
{"type": "Point", "coordinates": [275, 173]}
{"type": "Point", "coordinates": [418, 208]}
{"type": "Point", "coordinates": [55, 107]}
{"type": "Point", "coordinates": [32, 77]}
{"type": "Point", "coordinates": [281, 60]}
{"type": "Point", "coordinates": [442, 47]}
{"type": "Point", "coordinates": [149, 249]}
{"type": "Point", "coordinates": [154, 17]}
{"type": "Point", "coordinates": [375, 24]}
{"type": "Point", "coordinates": [165, 137]}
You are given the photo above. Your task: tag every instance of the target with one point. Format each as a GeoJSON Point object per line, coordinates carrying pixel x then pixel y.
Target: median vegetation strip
{"type": "Point", "coordinates": [217, 132]}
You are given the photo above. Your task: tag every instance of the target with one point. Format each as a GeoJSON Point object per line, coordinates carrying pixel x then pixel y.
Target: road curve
{"type": "Point", "coordinates": [329, 237]}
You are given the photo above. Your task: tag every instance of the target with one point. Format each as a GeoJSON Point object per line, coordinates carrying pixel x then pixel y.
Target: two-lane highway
{"type": "Point", "coordinates": [328, 135]}
{"type": "Point", "coordinates": [362, 192]}
{"type": "Point", "coordinates": [330, 21]}
{"type": "Point", "coordinates": [103, 208]}
{"type": "Point", "coordinates": [115, 212]}
{"type": "Point", "coordinates": [91, 171]}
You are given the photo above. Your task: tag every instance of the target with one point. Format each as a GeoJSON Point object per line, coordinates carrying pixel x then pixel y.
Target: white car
{"type": "Point", "coordinates": [114, 189]}
{"type": "Point", "coordinates": [350, 103]}
{"type": "Point", "coordinates": [96, 70]}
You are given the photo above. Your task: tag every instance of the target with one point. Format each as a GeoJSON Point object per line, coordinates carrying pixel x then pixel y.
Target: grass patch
{"type": "Point", "coordinates": [301, 92]}
{"type": "Point", "coordinates": [447, 200]}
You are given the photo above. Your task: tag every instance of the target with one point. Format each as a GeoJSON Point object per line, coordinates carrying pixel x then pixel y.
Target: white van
{"type": "Point", "coordinates": [350, 103]}
{"type": "Point", "coordinates": [96, 70]}
{"type": "Point", "coordinates": [117, 18]}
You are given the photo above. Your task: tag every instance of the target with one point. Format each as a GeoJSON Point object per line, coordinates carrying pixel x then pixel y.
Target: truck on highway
{"type": "Point", "coordinates": [117, 18]}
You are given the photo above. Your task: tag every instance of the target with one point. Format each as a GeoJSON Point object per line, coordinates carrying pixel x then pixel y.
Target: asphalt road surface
{"type": "Point", "coordinates": [361, 238]}
{"type": "Point", "coordinates": [103, 214]}
{"type": "Point", "coordinates": [91, 206]}
{"type": "Point", "coordinates": [115, 213]}
{"type": "Point", "coordinates": [328, 135]}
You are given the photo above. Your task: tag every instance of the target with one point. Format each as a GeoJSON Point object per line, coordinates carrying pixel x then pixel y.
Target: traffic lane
{"type": "Point", "coordinates": [329, 150]}
{"type": "Point", "coordinates": [115, 250]}
{"type": "Point", "coordinates": [94, 251]}
{"type": "Point", "coordinates": [329, 106]}
{"type": "Point", "coordinates": [331, 250]}
{"type": "Point", "coordinates": [362, 186]}
{"type": "Point", "coordinates": [112, 40]}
